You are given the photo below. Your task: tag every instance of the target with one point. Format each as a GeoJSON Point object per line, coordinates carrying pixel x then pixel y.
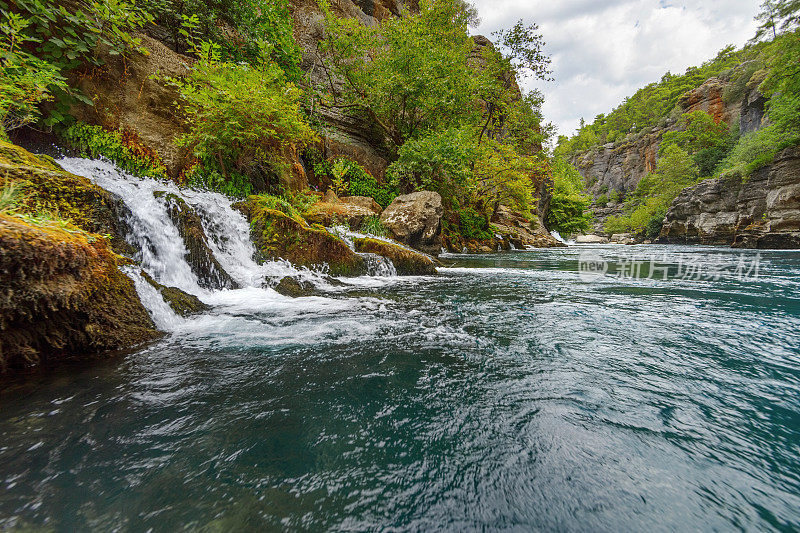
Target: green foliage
{"type": "Point", "coordinates": [602, 200]}
{"type": "Point", "coordinates": [645, 212]}
{"type": "Point", "coordinates": [758, 149]}
{"type": "Point", "coordinates": [753, 151]}
{"type": "Point", "coordinates": [67, 35]}
{"type": "Point", "coordinates": [698, 131]}
{"type": "Point", "coordinates": [242, 118]}
{"type": "Point", "coordinates": [11, 193]}
{"type": "Point", "coordinates": [279, 204]}
{"type": "Point", "coordinates": [301, 200]}
{"type": "Point", "coordinates": [373, 226]}
{"type": "Point", "coordinates": [25, 80]}
{"type": "Point", "coordinates": [354, 180]}
{"type": "Point", "coordinates": [94, 141]}
{"type": "Point", "coordinates": [473, 224]}
{"type": "Point", "coordinates": [240, 27]}
{"type": "Point", "coordinates": [777, 16]}
{"type": "Point", "coordinates": [569, 204]}
{"type": "Point", "coordinates": [417, 74]}
{"type": "Point", "coordinates": [450, 112]}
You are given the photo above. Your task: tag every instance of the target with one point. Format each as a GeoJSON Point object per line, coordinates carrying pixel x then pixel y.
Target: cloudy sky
{"type": "Point", "coordinates": [604, 50]}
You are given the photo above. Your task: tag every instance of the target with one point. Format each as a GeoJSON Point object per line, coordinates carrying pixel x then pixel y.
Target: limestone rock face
{"type": "Point", "coordinates": [128, 94]}
{"type": "Point", "coordinates": [62, 296]}
{"type": "Point", "coordinates": [416, 220]}
{"type": "Point", "coordinates": [760, 212]}
{"type": "Point", "coordinates": [620, 166]}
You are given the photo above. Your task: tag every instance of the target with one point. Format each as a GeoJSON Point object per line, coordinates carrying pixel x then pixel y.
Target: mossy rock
{"type": "Point", "coordinates": [295, 288]}
{"type": "Point", "coordinates": [279, 236]}
{"type": "Point", "coordinates": [184, 304]}
{"type": "Point", "coordinates": [62, 296]}
{"type": "Point", "coordinates": [48, 188]}
{"type": "Point", "coordinates": [210, 274]}
{"type": "Point", "coordinates": [406, 262]}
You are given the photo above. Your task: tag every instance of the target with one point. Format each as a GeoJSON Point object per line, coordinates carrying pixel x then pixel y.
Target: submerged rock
{"type": "Point", "coordinates": [279, 236]}
{"type": "Point", "coordinates": [406, 262]}
{"type": "Point", "coordinates": [416, 220]}
{"type": "Point", "coordinates": [183, 303]}
{"type": "Point", "coordinates": [62, 296]}
{"type": "Point", "coordinates": [50, 189]}
{"type": "Point", "coordinates": [295, 288]}
{"type": "Point", "coordinates": [762, 211]}
{"type": "Point", "coordinates": [209, 272]}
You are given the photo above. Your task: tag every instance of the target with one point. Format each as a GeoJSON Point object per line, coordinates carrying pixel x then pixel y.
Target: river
{"type": "Point", "coordinates": [572, 389]}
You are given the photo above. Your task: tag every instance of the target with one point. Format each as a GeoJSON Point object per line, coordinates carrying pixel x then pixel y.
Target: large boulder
{"type": "Point", "coordinates": [406, 262]}
{"type": "Point", "coordinates": [210, 274]}
{"type": "Point", "coordinates": [416, 220]}
{"type": "Point", "coordinates": [277, 235]}
{"type": "Point", "coordinates": [62, 296]}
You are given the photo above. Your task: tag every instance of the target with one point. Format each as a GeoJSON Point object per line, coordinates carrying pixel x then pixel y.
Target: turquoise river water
{"type": "Point", "coordinates": [515, 391]}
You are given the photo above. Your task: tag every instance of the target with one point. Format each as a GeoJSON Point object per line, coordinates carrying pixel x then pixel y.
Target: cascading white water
{"type": "Point", "coordinates": [557, 236]}
{"type": "Point", "coordinates": [163, 253]}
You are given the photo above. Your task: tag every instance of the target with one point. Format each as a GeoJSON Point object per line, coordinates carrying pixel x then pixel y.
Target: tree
{"type": "Point", "coordinates": [777, 16]}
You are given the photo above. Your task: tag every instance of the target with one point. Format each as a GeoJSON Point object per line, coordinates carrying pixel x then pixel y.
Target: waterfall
{"type": "Point", "coordinates": [557, 236]}
{"type": "Point", "coordinates": [162, 252]}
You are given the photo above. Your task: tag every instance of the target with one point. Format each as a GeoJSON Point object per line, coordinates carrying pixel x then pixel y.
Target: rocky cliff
{"type": "Point", "coordinates": [760, 212]}
{"type": "Point", "coordinates": [620, 166]}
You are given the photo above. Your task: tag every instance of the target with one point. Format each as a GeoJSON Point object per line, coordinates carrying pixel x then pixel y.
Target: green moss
{"type": "Point", "coordinates": [277, 235]}
{"type": "Point", "coordinates": [49, 189]}
{"type": "Point", "coordinates": [61, 296]}
{"type": "Point", "coordinates": [182, 303]}
{"type": "Point", "coordinates": [406, 262]}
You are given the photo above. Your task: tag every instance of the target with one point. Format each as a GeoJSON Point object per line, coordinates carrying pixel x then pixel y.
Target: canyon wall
{"type": "Point", "coordinates": [762, 211]}
{"type": "Point", "coordinates": [620, 166]}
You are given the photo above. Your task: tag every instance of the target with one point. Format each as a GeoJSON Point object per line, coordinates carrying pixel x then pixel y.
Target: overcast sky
{"type": "Point", "coordinates": [604, 50]}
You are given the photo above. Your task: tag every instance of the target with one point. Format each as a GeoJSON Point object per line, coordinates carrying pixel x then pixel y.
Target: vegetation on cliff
{"type": "Point", "coordinates": [449, 109]}
{"type": "Point", "coordinates": [697, 145]}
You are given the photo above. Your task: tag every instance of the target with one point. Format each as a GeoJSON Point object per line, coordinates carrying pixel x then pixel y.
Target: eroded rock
{"type": "Point", "coordinates": [279, 236]}
{"type": "Point", "coordinates": [183, 303]}
{"type": "Point", "coordinates": [762, 211]}
{"type": "Point", "coordinates": [62, 296]}
{"type": "Point", "coordinates": [416, 220]}
{"type": "Point", "coordinates": [210, 274]}
{"type": "Point", "coordinates": [406, 262]}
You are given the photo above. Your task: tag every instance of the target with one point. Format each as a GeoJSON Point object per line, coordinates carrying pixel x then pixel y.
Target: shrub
{"type": "Point", "coordinates": [373, 226]}
{"type": "Point", "coordinates": [241, 117]}
{"type": "Point", "coordinates": [569, 204]}
{"type": "Point", "coordinates": [355, 180]}
{"type": "Point", "coordinates": [68, 35]}
{"type": "Point", "coordinates": [602, 200]}
{"type": "Point", "coordinates": [473, 224]}
{"type": "Point", "coordinates": [25, 81]}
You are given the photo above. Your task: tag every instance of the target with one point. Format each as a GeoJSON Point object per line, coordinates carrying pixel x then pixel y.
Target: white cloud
{"type": "Point", "coordinates": [603, 51]}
